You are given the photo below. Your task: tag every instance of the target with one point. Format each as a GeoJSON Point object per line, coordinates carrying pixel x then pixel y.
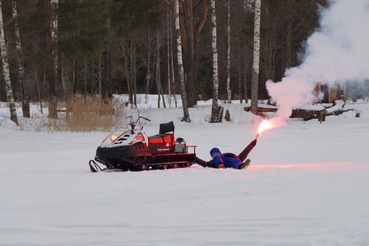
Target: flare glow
{"type": "Point", "coordinates": [264, 125]}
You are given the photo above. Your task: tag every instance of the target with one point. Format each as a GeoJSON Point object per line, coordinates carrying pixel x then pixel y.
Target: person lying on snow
{"type": "Point", "coordinates": [228, 160]}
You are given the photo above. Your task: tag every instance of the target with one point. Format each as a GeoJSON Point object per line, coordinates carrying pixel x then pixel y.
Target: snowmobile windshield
{"type": "Point", "coordinates": [127, 113]}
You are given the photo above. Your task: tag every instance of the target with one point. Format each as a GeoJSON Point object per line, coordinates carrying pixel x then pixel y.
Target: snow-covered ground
{"type": "Point", "coordinates": [307, 185]}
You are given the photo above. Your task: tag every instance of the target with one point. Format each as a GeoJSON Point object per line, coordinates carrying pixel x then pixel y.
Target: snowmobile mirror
{"type": "Point", "coordinates": [131, 127]}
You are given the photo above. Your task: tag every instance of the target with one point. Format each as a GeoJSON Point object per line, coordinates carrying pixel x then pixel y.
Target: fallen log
{"type": "Point", "coordinates": [263, 110]}
{"type": "Point", "coordinates": [304, 113]}
{"type": "Point", "coordinates": [339, 111]}
{"type": "Point", "coordinates": [308, 114]}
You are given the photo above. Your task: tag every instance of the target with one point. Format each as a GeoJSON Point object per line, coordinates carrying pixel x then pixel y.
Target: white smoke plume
{"type": "Point", "coordinates": [337, 52]}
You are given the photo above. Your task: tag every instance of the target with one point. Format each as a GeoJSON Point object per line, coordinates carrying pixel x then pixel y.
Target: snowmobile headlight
{"type": "Point", "coordinates": [113, 137]}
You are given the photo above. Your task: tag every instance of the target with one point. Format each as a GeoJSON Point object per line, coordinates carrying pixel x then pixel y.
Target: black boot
{"type": "Point", "coordinates": [246, 164]}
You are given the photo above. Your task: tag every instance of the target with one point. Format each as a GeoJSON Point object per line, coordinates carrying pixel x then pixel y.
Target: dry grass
{"type": "Point", "coordinates": [90, 113]}
{"type": "Point", "coordinates": [80, 114]}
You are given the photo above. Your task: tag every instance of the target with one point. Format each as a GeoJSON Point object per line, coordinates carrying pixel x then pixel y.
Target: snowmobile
{"type": "Point", "coordinates": [128, 148]}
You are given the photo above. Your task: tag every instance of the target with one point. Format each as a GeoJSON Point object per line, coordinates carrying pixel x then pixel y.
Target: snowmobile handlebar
{"type": "Point", "coordinates": [140, 117]}
{"type": "Point", "coordinates": [132, 125]}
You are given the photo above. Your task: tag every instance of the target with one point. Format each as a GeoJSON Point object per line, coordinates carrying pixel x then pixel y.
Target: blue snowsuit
{"type": "Point", "coordinates": [228, 159]}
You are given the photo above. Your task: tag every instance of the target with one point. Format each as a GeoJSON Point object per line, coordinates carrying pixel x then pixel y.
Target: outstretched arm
{"type": "Point", "coordinates": [242, 156]}
{"type": "Point", "coordinates": [203, 163]}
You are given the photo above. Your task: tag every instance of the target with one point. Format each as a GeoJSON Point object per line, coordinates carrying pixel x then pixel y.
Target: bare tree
{"type": "Point", "coordinates": [256, 59]}
{"type": "Point", "coordinates": [50, 75]}
{"type": "Point", "coordinates": [25, 100]}
{"type": "Point", "coordinates": [192, 20]}
{"type": "Point", "coordinates": [186, 115]}
{"type": "Point", "coordinates": [148, 74]}
{"type": "Point", "coordinates": [172, 65]}
{"type": "Point", "coordinates": [134, 68]}
{"type": "Point", "coordinates": [54, 35]}
{"type": "Point", "coordinates": [157, 76]}
{"type": "Point", "coordinates": [125, 62]}
{"type": "Point", "coordinates": [127, 66]}
{"type": "Point", "coordinates": [65, 69]}
{"type": "Point", "coordinates": [215, 107]}
{"type": "Point", "coordinates": [6, 73]}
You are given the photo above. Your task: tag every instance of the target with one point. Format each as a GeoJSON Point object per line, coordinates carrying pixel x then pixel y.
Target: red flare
{"type": "Point", "coordinates": [264, 125]}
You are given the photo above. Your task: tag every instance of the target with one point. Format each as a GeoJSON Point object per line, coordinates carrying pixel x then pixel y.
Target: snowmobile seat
{"type": "Point", "coordinates": [166, 127]}
{"type": "Point", "coordinates": [165, 138]}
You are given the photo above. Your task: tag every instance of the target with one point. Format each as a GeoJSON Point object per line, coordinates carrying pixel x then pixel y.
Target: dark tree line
{"type": "Point", "coordinates": [129, 46]}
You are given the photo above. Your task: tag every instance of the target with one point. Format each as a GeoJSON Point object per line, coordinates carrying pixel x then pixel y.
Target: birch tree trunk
{"type": "Point", "coordinates": [215, 107]}
{"type": "Point", "coordinates": [246, 67]}
{"type": "Point", "coordinates": [256, 59]}
{"type": "Point", "coordinates": [6, 73]}
{"type": "Point", "coordinates": [186, 115]}
{"type": "Point", "coordinates": [229, 53]}
{"type": "Point", "coordinates": [168, 60]}
{"type": "Point", "coordinates": [25, 101]}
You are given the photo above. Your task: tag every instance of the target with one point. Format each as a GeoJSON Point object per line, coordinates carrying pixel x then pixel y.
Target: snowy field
{"type": "Point", "coordinates": [307, 185]}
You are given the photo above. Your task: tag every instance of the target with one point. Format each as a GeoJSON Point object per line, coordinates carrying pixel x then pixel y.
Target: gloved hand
{"type": "Point", "coordinates": [253, 143]}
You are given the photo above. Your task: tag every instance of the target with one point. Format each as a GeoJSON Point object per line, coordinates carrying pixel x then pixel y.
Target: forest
{"type": "Point", "coordinates": [52, 50]}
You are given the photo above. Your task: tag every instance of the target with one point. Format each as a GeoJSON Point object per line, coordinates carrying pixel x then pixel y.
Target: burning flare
{"type": "Point", "coordinates": [269, 124]}
{"type": "Point", "coordinates": [264, 125]}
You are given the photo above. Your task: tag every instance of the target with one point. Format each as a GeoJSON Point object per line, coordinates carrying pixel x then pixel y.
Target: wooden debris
{"type": "Point", "coordinates": [227, 116]}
